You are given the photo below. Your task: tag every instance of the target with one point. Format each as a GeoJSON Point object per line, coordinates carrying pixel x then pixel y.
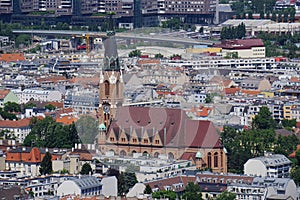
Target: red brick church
{"type": "Point", "coordinates": [152, 131]}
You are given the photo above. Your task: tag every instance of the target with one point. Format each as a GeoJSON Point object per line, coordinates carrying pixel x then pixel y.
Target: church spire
{"type": "Point", "coordinates": [111, 59]}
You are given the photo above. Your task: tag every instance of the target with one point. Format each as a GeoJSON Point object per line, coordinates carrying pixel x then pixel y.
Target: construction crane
{"type": "Point", "coordinates": [88, 44]}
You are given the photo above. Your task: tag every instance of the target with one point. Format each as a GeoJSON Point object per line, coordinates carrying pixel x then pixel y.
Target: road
{"type": "Point", "coordinates": [157, 38]}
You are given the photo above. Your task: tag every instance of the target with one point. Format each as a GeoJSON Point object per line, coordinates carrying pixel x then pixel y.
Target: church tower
{"type": "Point", "coordinates": [111, 80]}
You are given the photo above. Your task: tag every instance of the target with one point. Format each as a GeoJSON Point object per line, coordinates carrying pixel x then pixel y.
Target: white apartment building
{"type": "Point", "coordinates": [37, 95]}
{"type": "Point", "coordinates": [83, 186]}
{"type": "Point", "coordinates": [265, 188]}
{"type": "Point", "coordinates": [269, 165]}
{"type": "Point", "coordinates": [222, 63]}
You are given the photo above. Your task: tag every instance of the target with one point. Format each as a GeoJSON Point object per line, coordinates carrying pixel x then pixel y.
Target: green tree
{"type": "Point", "coordinates": [286, 144]}
{"type": "Point", "coordinates": [295, 175]}
{"type": "Point", "coordinates": [135, 53]}
{"type": "Point", "coordinates": [297, 157]}
{"type": "Point", "coordinates": [48, 133]}
{"type": "Point", "coordinates": [289, 123]}
{"type": "Point", "coordinates": [148, 189]}
{"type": "Point", "coordinates": [29, 105]}
{"type": "Point", "coordinates": [126, 181]}
{"type": "Point", "coordinates": [87, 129]}
{"type": "Point", "coordinates": [122, 189]}
{"type": "Point", "coordinates": [86, 169]}
{"type": "Point", "coordinates": [130, 180]}
{"type": "Point", "coordinates": [29, 140]}
{"type": "Point", "coordinates": [12, 107]}
{"type": "Point", "coordinates": [264, 119]}
{"type": "Point", "coordinates": [23, 39]}
{"type": "Point", "coordinates": [46, 164]}
{"type": "Point", "coordinates": [6, 115]}
{"type": "Point", "coordinates": [159, 56]}
{"type": "Point", "coordinates": [226, 196]}
{"type": "Point", "coordinates": [173, 24]}
{"type": "Point", "coordinates": [192, 192]}
{"type": "Point", "coordinates": [50, 107]}
{"type": "Point", "coordinates": [163, 194]}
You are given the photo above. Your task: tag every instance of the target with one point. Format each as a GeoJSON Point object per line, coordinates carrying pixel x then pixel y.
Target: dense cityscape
{"type": "Point", "coordinates": [150, 99]}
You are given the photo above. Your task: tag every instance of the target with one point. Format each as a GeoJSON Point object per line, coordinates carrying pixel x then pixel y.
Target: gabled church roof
{"type": "Point", "coordinates": [173, 126]}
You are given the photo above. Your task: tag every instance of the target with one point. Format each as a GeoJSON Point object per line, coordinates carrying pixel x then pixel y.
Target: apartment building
{"type": "Point", "coordinates": [5, 6]}
{"type": "Point", "coordinates": [138, 12]}
{"type": "Point", "coordinates": [55, 6]}
{"type": "Point", "coordinates": [37, 95]}
{"type": "Point", "coordinates": [269, 165]}
{"type": "Point", "coordinates": [18, 129]}
{"type": "Point", "coordinates": [265, 188]}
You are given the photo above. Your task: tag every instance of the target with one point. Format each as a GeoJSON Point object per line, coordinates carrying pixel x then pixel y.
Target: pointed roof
{"type": "Point", "coordinates": [173, 126]}
{"type": "Point", "coordinates": [35, 155]}
{"type": "Point", "coordinates": [111, 59]}
{"type": "Point", "coordinates": [4, 93]}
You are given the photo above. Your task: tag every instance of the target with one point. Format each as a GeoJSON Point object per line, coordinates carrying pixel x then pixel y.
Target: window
{"type": "Point", "coordinates": [145, 141]}
{"type": "Point", "coordinates": [106, 88]}
{"type": "Point", "coordinates": [118, 89]}
{"type": "Point", "coordinates": [123, 139]}
{"type": "Point", "coordinates": [134, 140]}
{"type": "Point", "coordinates": [209, 160]}
{"type": "Point", "coordinates": [216, 160]}
{"type": "Point", "coordinates": [156, 141]}
{"type": "Point", "coordinates": [221, 159]}
{"type": "Point", "coordinates": [112, 139]}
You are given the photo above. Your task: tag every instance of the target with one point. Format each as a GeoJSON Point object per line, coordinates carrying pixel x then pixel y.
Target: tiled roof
{"type": "Point", "coordinates": [227, 83]}
{"type": "Point", "coordinates": [171, 182]}
{"type": "Point", "coordinates": [30, 155]}
{"type": "Point", "coordinates": [293, 155]}
{"type": "Point", "coordinates": [171, 124]}
{"type": "Point", "coordinates": [53, 79]}
{"type": "Point", "coordinates": [4, 93]}
{"type": "Point", "coordinates": [15, 124]}
{"type": "Point", "coordinates": [148, 61]}
{"type": "Point", "coordinates": [84, 154]}
{"type": "Point", "coordinates": [241, 44]}
{"type": "Point", "coordinates": [188, 156]}
{"type": "Point", "coordinates": [66, 120]}
{"type": "Point", "coordinates": [12, 57]}
{"type": "Point", "coordinates": [40, 104]}
{"type": "Point", "coordinates": [86, 80]}
{"type": "Point", "coordinates": [231, 91]}
{"type": "Point", "coordinates": [294, 79]}
{"type": "Point", "coordinates": [251, 92]}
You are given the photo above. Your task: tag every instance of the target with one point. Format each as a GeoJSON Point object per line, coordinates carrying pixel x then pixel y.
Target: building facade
{"type": "Point", "coordinates": [82, 186]}
{"type": "Point", "coordinates": [269, 165]}
{"type": "Point", "coordinates": [37, 95]}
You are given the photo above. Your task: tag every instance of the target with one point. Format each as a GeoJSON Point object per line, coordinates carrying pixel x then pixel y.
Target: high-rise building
{"type": "Point", "coordinates": [137, 12]}
{"type": "Point", "coordinates": [5, 6]}
{"type": "Point", "coordinates": [199, 11]}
